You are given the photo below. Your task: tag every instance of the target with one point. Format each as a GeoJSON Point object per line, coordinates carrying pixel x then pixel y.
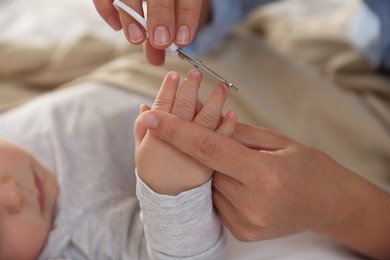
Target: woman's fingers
{"type": "Point", "coordinates": [187, 20]}
{"type": "Point", "coordinates": [108, 12]}
{"type": "Point", "coordinates": [211, 149]}
{"type": "Point", "coordinates": [259, 138]}
{"type": "Point", "coordinates": [152, 55]}
{"type": "Point", "coordinates": [226, 212]}
{"type": "Point", "coordinates": [139, 129]}
{"type": "Point", "coordinates": [172, 21]}
{"type": "Point", "coordinates": [161, 22]}
{"type": "Point", "coordinates": [133, 31]}
{"type": "Point", "coordinates": [168, 21]}
{"type": "Point", "coordinates": [229, 187]}
{"type": "Point", "coordinates": [119, 19]}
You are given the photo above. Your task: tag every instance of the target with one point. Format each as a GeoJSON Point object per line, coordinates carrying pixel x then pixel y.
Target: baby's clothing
{"type": "Point", "coordinates": [84, 134]}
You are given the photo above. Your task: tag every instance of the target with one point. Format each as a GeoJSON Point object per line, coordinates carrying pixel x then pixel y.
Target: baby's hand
{"type": "Point", "coordinates": [163, 168]}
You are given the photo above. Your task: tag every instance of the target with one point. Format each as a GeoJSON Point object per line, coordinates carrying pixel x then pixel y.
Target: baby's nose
{"type": "Point", "coordinates": [10, 195]}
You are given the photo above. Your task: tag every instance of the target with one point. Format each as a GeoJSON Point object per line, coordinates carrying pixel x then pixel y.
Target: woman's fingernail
{"type": "Point", "coordinates": [114, 23]}
{"type": "Point", "coordinates": [135, 33]}
{"type": "Point", "coordinates": [161, 35]}
{"type": "Point", "coordinates": [183, 35]}
{"type": "Point", "coordinates": [149, 120]}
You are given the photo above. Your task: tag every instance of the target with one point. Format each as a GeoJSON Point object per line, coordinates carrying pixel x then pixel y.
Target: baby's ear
{"type": "Point", "coordinates": [139, 129]}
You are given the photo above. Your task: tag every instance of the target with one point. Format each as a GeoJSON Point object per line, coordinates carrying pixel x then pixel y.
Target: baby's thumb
{"type": "Point", "coordinates": [139, 129]}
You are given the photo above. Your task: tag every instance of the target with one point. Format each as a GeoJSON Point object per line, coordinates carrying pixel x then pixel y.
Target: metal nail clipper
{"type": "Point", "coordinates": [197, 63]}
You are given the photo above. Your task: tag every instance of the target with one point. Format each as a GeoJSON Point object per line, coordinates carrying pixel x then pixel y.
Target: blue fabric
{"type": "Point", "coordinates": [364, 31]}
{"type": "Point", "coordinates": [382, 9]}
{"type": "Point", "coordinates": [370, 30]}
{"type": "Point", "coordinates": [226, 14]}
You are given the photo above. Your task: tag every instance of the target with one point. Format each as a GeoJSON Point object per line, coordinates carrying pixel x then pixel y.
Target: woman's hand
{"type": "Point", "coordinates": [168, 21]}
{"type": "Point", "coordinates": [268, 185]}
{"type": "Point", "coordinates": [167, 170]}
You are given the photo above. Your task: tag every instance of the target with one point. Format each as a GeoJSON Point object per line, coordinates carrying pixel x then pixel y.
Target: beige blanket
{"type": "Point", "coordinates": [341, 107]}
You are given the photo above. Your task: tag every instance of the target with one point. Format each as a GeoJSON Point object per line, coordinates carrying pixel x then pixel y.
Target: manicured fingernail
{"type": "Point", "coordinates": [135, 33]}
{"type": "Point", "coordinates": [161, 35]}
{"type": "Point", "coordinates": [149, 120]}
{"type": "Point", "coordinates": [183, 34]}
{"type": "Point", "coordinates": [114, 23]}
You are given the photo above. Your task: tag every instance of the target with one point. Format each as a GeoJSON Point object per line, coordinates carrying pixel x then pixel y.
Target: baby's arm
{"type": "Point", "coordinates": [164, 169]}
{"type": "Point", "coordinates": [173, 189]}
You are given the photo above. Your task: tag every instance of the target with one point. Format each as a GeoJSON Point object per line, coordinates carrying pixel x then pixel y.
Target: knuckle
{"type": "Point", "coordinates": [206, 120]}
{"type": "Point", "coordinates": [184, 105]}
{"type": "Point", "coordinates": [188, 13]}
{"type": "Point", "coordinates": [205, 147]}
{"type": "Point", "coordinates": [254, 176]}
{"type": "Point", "coordinates": [274, 182]}
{"type": "Point", "coordinates": [272, 179]}
{"type": "Point", "coordinates": [162, 103]}
{"type": "Point", "coordinates": [160, 8]}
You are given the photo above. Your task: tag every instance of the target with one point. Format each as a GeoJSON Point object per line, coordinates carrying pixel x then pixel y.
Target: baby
{"type": "Point", "coordinates": [75, 198]}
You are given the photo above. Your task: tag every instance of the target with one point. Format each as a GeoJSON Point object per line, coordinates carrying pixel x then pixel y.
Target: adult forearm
{"type": "Point", "coordinates": [367, 227]}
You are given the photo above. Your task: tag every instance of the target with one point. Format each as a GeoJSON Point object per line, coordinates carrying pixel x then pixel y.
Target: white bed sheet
{"type": "Point", "coordinates": [44, 21]}
{"type": "Point", "coordinates": [297, 247]}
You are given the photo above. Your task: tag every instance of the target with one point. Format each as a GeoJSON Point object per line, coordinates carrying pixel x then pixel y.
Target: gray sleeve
{"type": "Point", "coordinates": [183, 226]}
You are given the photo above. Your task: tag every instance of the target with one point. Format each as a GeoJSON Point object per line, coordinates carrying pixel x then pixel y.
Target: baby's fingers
{"type": "Point", "coordinates": [139, 129]}
{"type": "Point", "coordinates": [210, 114]}
{"type": "Point", "coordinates": [186, 100]}
{"type": "Point", "coordinates": [228, 125]}
{"type": "Point", "coordinates": [167, 93]}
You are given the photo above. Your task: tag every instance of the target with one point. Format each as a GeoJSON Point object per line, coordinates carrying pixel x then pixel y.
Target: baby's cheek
{"type": "Point", "coordinates": [27, 238]}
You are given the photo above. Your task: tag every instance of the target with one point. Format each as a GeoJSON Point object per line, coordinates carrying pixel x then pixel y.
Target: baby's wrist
{"type": "Point", "coordinates": [171, 184]}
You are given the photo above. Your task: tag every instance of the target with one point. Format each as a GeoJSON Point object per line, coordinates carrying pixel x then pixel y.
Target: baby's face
{"type": "Point", "coordinates": [28, 192]}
